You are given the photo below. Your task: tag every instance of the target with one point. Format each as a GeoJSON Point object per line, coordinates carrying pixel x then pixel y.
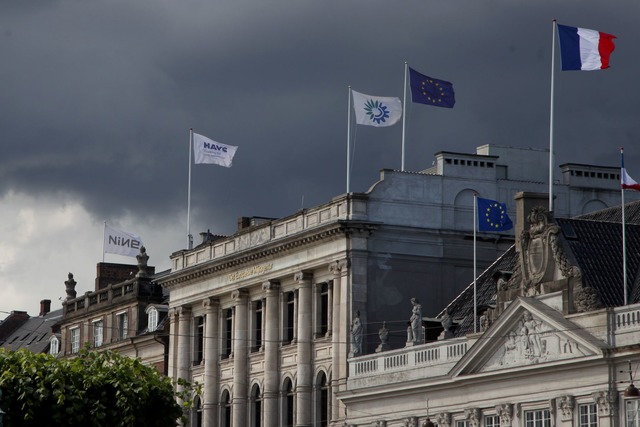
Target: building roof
{"type": "Point", "coordinates": [592, 242]}
{"type": "Point", "coordinates": [33, 334]}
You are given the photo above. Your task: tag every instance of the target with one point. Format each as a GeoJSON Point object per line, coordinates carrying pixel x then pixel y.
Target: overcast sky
{"type": "Point", "coordinates": [97, 98]}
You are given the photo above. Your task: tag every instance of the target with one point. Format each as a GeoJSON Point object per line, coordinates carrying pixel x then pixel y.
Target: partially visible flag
{"type": "Point", "coordinates": [430, 91]}
{"type": "Point", "coordinates": [121, 242]}
{"type": "Point", "coordinates": [208, 151]}
{"type": "Point", "coordinates": [584, 49]}
{"type": "Point", "coordinates": [492, 216]}
{"type": "Point", "coordinates": [626, 181]}
{"type": "Point", "coordinates": [376, 111]}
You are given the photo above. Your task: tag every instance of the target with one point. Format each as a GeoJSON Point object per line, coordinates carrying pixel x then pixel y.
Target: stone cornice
{"type": "Point", "coordinates": [240, 259]}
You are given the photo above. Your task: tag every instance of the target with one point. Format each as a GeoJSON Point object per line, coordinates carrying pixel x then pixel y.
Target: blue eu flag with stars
{"type": "Point", "coordinates": [492, 216]}
{"type": "Point", "coordinates": [430, 91]}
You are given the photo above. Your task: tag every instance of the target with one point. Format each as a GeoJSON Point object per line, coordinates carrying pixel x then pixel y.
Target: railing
{"type": "Point", "coordinates": [103, 296]}
{"type": "Point", "coordinates": [435, 354]}
{"type": "Point", "coordinates": [271, 231]}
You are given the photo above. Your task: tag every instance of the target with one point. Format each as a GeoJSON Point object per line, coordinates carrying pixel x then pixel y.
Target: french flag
{"type": "Point", "coordinates": [626, 181]}
{"type": "Point", "coordinates": [583, 49]}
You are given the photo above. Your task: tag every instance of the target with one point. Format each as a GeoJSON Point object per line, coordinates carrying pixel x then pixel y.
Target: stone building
{"type": "Point", "coordinates": [543, 337]}
{"type": "Point", "coordinates": [267, 318]}
{"type": "Point", "coordinates": [125, 313]}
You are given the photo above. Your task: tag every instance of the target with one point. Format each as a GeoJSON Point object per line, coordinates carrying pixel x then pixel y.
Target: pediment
{"type": "Point", "coordinates": [528, 333]}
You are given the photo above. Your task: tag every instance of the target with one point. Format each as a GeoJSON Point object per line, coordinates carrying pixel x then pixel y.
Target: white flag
{"type": "Point", "coordinates": [120, 242]}
{"type": "Point", "coordinates": [376, 111]}
{"type": "Point", "coordinates": [206, 150]}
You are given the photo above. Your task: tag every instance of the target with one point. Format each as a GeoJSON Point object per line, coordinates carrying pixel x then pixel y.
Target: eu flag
{"type": "Point", "coordinates": [492, 216]}
{"type": "Point", "coordinates": [430, 91]}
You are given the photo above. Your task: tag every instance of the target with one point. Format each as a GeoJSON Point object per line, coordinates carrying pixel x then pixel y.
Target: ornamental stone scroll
{"type": "Point", "coordinates": [443, 419]}
{"type": "Point", "coordinates": [566, 405]}
{"type": "Point", "coordinates": [474, 416]}
{"type": "Point", "coordinates": [505, 412]}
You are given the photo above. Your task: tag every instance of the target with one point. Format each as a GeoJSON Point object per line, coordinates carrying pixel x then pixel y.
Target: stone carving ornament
{"type": "Point", "coordinates": [505, 412]}
{"type": "Point", "coordinates": [474, 416]}
{"type": "Point", "coordinates": [566, 405]}
{"type": "Point", "coordinates": [443, 419]}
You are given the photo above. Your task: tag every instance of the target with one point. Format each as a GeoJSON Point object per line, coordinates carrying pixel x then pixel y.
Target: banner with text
{"type": "Point", "coordinates": [121, 242]}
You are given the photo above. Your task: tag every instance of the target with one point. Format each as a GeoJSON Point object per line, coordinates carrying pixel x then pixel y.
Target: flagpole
{"type": "Point", "coordinates": [189, 238]}
{"type": "Point", "coordinates": [404, 112]}
{"type": "Point", "coordinates": [475, 292]}
{"type": "Point", "coordinates": [624, 234]}
{"type": "Point", "coordinates": [104, 234]}
{"type": "Point", "coordinates": [553, 59]}
{"type": "Point", "coordinates": [348, 139]}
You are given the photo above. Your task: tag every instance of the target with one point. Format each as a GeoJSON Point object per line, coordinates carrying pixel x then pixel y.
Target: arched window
{"type": "Point", "coordinates": [287, 403]}
{"type": "Point", "coordinates": [256, 406]}
{"type": "Point", "coordinates": [225, 414]}
{"type": "Point", "coordinates": [197, 415]}
{"type": "Point", "coordinates": [54, 346]}
{"type": "Point", "coordinates": [322, 400]}
{"type": "Point", "coordinates": [152, 319]}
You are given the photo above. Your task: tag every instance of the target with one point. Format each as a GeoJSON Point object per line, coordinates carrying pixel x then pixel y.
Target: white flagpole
{"type": "Point", "coordinates": [624, 234]}
{"type": "Point", "coordinates": [404, 112]}
{"type": "Point", "coordinates": [553, 59]}
{"type": "Point", "coordinates": [475, 291]}
{"type": "Point", "coordinates": [348, 139]}
{"type": "Point", "coordinates": [189, 238]}
{"type": "Point", "coordinates": [104, 234]}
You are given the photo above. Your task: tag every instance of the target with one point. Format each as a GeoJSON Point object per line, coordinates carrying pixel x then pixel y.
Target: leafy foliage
{"type": "Point", "coordinates": [93, 389]}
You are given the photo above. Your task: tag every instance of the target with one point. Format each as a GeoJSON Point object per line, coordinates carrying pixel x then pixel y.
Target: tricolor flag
{"type": "Point", "coordinates": [583, 49]}
{"type": "Point", "coordinates": [121, 242]}
{"type": "Point", "coordinates": [208, 151]}
{"type": "Point", "coordinates": [492, 216]}
{"type": "Point", "coordinates": [378, 111]}
{"type": "Point", "coordinates": [626, 181]}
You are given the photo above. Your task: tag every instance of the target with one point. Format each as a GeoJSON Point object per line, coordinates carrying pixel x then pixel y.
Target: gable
{"type": "Point", "coordinates": [528, 333]}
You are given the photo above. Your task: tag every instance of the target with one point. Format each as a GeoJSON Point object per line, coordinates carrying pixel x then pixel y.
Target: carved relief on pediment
{"type": "Point", "coordinates": [533, 341]}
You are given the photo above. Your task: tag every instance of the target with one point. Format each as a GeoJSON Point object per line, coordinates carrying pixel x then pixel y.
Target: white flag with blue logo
{"type": "Point", "coordinates": [208, 151]}
{"type": "Point", "coordinates": [376, 111]}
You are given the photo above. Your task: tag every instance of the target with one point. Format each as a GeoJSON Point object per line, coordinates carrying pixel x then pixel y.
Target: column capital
{"type": "Point", "coordinates": [270, 285]}
{"type": "Point", "coordinates": [303, 276]}
{"type": "Point", "coordinates": [183, 310]}
{"type": "Point", "coordinates": [210, 303]}
{"type": "Point", "coordinates": [340, 266]}
{"type": "Point", "coordinates": [239, 294]}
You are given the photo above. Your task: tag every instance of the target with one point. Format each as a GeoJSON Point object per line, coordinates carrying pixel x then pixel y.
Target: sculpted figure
{"type": "Point", "coordinates": [416, 321]}
{"type": "Point", "coordinates": [356, 335]}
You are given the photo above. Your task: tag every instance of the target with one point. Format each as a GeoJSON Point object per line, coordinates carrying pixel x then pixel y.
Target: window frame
{"type": "Point", "coordinates": [74, 339]}
{"type": "Point", "coordinates": [97, 329]}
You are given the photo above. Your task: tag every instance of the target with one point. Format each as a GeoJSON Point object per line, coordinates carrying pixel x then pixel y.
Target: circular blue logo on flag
{"type": "Point", "coordinates": [376, 110]}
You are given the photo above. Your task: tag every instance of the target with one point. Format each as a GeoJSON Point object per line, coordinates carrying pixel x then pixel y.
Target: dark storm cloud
{"type": "Point", "coordinates": [98, 96]}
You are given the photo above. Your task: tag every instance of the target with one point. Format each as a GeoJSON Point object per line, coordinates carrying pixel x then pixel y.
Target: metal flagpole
{"type": "Point", "coordinates": [104, 234]}
{"type": "Point", "coordinates": [348, 139]}
{"type": "Point", "coordinates": [475, 293]}
{"type": "Point", "coordinates": [404, 112]}
{"type": "Point", "coordinates": [624, 233]}
{"type": "Point", "coordinates": [553, 59]}
{"type": "Point", "coordinates": [189, 238]}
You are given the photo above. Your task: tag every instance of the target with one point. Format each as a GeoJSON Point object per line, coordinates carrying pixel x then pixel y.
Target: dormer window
{"type": "Point", "coordinates": [152, 320]}
{"type": "Point", "coordinates": [54, 346]}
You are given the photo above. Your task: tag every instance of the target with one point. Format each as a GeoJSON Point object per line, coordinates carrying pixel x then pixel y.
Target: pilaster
{"type": "Point", "coordinates": [305, 372]}
{"type": "Point", "coordinates": [271, 345]}
{"type": "Point", "coordinates": [211, 354]}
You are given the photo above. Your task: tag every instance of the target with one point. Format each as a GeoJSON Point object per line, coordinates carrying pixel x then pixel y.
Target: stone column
{"type": "Point", "coordinates": [329, 309]}
{"type": "Point", "coordinates": [184, 345]}
{"type": "Point", "coordinates": [305, 373]}
{"type": "Point", "coordinates": [271, 345]}
{"type": "Point", "coordinates": [184, 342]}
{"type": "Point", "coordinates": [240, 344]}
{"type": "Point", "coordinates": [341, 336]}
{"type": "Point", "coordinates": [211, 354]}
{"type": "Point", "coordinates": [173, 344]}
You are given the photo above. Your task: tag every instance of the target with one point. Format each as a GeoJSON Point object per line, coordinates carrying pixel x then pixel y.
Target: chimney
{"type": "Point", "coordinates": [45, 307]}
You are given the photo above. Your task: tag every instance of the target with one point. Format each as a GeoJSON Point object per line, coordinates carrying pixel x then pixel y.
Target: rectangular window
{"type": "Point", "coordinates": [289, 317]}
{"type": "Point", "coordinates": [257, 326]}
{"type": "Point", "coordinates": [198, 343]}
{"type": "Point", "coordinates": [492, 421]}
{"type": "Point", "coordinates": [588, 415]}
{"type": "Point", "coordinates": [324, 310]}
{"type": "Point", "coordinates": [54, 347]}
{"type": "Point", "coordinates": [152, 319]}
{"type": "Point", "coordinates": [462, 423]}
{"type": "Point", "coordinates": [227, 333]}
{"type": "Point", "coordinates": [75, 340]}
{"type": "Point", "coordinates": [122, 321]}
{"type": "Point", "coordinates": [98, 333]}
{"type": "Point", "coordinates": [538, 418]}
{"type": "Point", "coordinates": [632, 412]}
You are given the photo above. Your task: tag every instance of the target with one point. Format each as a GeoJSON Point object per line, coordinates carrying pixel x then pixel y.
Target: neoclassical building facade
{"type": "Point", "coordinates": [267, 318]}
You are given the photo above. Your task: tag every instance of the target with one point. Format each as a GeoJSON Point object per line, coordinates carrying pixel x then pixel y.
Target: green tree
{"type": "Point", "coordinates": [93, 389]}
